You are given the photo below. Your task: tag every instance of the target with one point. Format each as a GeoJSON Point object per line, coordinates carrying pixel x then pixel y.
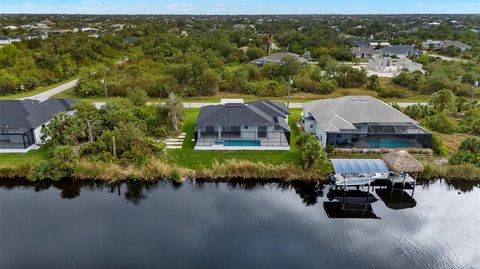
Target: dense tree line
{"type": "Point", "coordinates": [33, 63]}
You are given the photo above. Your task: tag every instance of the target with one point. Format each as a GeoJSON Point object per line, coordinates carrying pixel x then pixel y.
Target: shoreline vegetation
{"type": "Point", "coordinates": [156, 170]}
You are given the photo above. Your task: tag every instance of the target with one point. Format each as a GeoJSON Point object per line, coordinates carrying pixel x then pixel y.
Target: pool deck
{"type": "Point", "coordinates": [277, 141]}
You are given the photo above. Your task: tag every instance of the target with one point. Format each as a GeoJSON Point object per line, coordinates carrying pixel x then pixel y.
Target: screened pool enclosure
{"type": "Point", "coordinates": [382, 135]}
{"type": "Point", "coordinates": [18, 138]}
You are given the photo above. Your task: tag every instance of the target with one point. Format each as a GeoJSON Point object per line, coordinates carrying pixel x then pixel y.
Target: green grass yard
{"type": "Point", "coordinates": [190, 158]}
{"type": "Point", "coordinates": [32, 157]}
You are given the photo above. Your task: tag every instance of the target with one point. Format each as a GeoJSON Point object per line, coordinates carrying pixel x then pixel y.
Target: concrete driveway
{"type": "Point", "coordinates": [49, 93]}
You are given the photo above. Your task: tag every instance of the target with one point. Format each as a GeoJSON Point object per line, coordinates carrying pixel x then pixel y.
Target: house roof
{"type": "Point", "coordinates": [277, 58]}
{"type": "Point", "coordinates": [456, 44]}
{"type": "Point", "coordinates": [358, 50]}
{"type": "Point", "coordinates": [30, 113]}
{"type": "Point", "coordinates": [257, 113]}
{"type": "Point", "coordinates": [340, 114]}
{"type": "Point", "coordinates": [398, 49]}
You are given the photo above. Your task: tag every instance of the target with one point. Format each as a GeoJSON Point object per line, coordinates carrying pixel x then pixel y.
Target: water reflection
{"type": "Point", "coordinates": [239, 224]}
{"type": "Point", "coordinates": [350, 204]}
{"type": "Point", "coordinates": [135, 192]}
{"type": "Point", "coordinates": [396, 199]}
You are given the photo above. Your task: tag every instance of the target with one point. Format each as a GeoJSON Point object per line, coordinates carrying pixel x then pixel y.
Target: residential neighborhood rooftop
{"type": "Point", "coordinates": [256, 113]}
{"type": "Point", "coordinates": [277, 58]}
{"type": "Point", "coordinates": [31, 113]}
{"type": "Point", "coordinates": [342, 113]}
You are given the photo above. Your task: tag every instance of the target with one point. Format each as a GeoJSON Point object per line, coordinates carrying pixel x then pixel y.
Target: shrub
{"type": "Point", "coordinates": [326, 86]}
{"type": "Point", "coordinates": [437, 145]}
{"type": "Point", "coordinates": [441, 123]}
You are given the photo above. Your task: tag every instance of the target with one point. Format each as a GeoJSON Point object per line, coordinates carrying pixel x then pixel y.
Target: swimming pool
{"type": "Point", "coordinates": [390, 143]}
{"type": "Point", "coordinates": [241, 143]}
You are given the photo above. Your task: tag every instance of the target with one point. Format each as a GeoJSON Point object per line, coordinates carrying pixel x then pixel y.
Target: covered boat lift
{"type": "Point", "coordinates": [357, 172]}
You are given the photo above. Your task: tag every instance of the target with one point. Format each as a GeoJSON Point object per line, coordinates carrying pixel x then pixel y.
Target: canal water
{"type": "Point", "coordinates": [237, 225]}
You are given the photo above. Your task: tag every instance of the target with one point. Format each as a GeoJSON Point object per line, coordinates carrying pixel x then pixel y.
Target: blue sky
{"type": "Point", "coordinates": [239, 6]}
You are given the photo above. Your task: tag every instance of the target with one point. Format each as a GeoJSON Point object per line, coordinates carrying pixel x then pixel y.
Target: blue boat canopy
{"type": "Point", "coordinates": [345, 166]}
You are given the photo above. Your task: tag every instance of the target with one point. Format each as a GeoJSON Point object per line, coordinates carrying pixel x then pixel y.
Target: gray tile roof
{"type": "Point", "coordinates": [399, 50]}
{"type": "Point", "coordinates": [277, 58]}
{"type": "Point", "coordinates": [456, 44]}
{"type": "Point", "coordinates": [31, 113]}
{"type": "Point", "coordinates": [257, 113]}
{"type": "Point", "coordinates": [340, 114]}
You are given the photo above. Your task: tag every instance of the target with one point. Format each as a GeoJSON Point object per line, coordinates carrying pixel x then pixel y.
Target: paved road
{"type": "Point", "coordinates": [446, 58]}
{"type": "Point", "coordinates": [292, 105]}
{"type": "Point", "coordinates": [49, 93]}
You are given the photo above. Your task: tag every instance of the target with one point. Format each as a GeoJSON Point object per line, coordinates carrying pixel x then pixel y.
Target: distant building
{"type": "Point", "coordinates": [130, 40]}
{"type": "Point", "coordinates": [441, 45]}
{"type": "Point", "coordinates": [5, 40]}
{"type": "Point", "coordinates": [432, 44]}
{"type": "Point", "coordinates": [10, 27]}
{"type": "Point", "coordinates": [90, 30]}
{"type": "Point", "coordinates": [363, 52]}
{"type": "Point", "coordinates": [239, 27]}
{"type": "Point", "coordinates": [277, 58]}
{"type": "Point", "coordinates": [384, 64]}
{"type": "Point", "coordinates": [400, 51]}
{"type": "Point", "coordinates": [456, 44]}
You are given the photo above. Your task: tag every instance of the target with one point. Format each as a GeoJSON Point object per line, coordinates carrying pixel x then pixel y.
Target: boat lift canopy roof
{"type": "Point", "coordinates": [349, 166]}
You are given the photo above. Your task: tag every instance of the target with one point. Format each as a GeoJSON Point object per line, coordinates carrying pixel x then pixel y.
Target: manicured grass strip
{"type": "Point", "coordinates": [33, 156]}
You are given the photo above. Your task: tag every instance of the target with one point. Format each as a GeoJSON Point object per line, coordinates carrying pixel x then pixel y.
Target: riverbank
{"type": "Point", "coordinates": [232, 169]}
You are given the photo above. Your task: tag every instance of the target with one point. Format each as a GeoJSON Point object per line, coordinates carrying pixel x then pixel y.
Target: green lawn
{"type": "Point", "coordinates": [33, 156]}
{"type": "Point", "coordinates": [187, 157]}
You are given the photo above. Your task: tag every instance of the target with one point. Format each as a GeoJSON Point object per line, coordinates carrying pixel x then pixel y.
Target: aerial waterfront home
{"type": "Point", "coordinates": [235, 125]}
{"type": "Point", "coordinates": [362, 122]}
{"type": "Point", "coordinates": [21, 122]}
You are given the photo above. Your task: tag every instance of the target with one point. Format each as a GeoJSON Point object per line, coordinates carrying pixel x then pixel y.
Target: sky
{"type": "Point", "coordinates": [239, 6]}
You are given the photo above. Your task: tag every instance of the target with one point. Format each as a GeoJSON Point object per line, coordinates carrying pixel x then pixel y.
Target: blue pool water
{"type": "Point", "coordinates": [390, 143]}
{"type": "Point", "coordinates": [241, 143]}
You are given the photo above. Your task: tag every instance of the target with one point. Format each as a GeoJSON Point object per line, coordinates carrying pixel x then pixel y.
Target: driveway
{"type": "Point", "coordinates": [49, 93]}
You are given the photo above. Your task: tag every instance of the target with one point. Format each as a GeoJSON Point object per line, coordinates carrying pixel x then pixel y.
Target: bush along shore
{"type": "Point", "coordinates": [156, 169]}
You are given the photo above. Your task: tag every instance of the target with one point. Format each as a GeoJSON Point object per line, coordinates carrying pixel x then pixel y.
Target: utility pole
{"type": "Point", "coordinates": [289, 86]}
{"type": "Point", "coordinates": [104, 84]}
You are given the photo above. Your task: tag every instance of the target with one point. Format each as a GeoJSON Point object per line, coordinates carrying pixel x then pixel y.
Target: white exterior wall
{"type": "Point", "coordinates": [37, 133]}
{"type": "Point", "coordinates": [321, 135]}
{"type": "Point", "coordinates": [308, 125]}
{"type": "Point", "coordinates": [249, 134]}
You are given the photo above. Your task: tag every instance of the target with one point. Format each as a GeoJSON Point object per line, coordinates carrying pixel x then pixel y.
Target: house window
{"type": "Point", "coordinates": [277, 128]}
{"type": "Point", "coordinates": [262, 131]}
{"type": "Point", "coordinates": [245, 127]}
{"type": "Point", "coordinates": [339, 135]}
{"type": "Point", "coordinates": [311, 125]}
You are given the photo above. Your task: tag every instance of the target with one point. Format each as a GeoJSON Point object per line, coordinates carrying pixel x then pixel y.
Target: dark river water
{"type": "Point", "coordinates": [208, 225]}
